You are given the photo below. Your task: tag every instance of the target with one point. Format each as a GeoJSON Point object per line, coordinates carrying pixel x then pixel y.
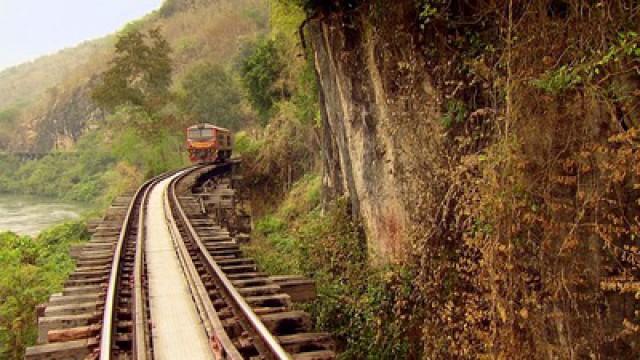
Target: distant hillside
{"type": "Point", "coordinates": [28, 89]}
{"type": "Point", "coordinates": [24, 83]}
{"type": "Point", "coordinates": [49, 105]}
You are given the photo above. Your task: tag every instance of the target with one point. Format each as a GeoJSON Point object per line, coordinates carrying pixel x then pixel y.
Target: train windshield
{"type": "Point", "coordinates": [200, 134]}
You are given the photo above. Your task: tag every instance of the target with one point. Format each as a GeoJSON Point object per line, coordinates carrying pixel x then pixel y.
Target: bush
{"type": "Point", "coordinates": [456, 113]}
{"type": "Point", "coordinates": [558, 81]}
{"type": "Point", "coordinates": [32, 269]}
{"type": "Point", "coordinates": [359, 304]}
{"type": "Point", "coordinates": [269, 225]}
{"type": "Point", "coordinates": [66, 233]}
{"type": "Point", "coordinates": [305, 195]}
{"type": "Point", "coordinates": [260, 72]}
{"type": "Point", "coordinates": [151, 155]}
{"type": "Point", "coordinates": [286, 153]}
{"type": "Point", "coordinates": [211, 95]}
{"type": "Point", "coordinates": [246, 145]}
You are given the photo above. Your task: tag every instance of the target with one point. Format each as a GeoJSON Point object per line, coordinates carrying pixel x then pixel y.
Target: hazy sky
{"type": "Point", "coordinates": [31, 28]}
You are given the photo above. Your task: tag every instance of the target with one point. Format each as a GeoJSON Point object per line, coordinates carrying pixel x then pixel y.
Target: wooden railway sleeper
{"type": "Point", "coordinates": [266, 298]}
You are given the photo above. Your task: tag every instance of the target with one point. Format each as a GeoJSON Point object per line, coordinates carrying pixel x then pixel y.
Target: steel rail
{"type": "Point", "coordinates": [266, 343]}
{"type": "Point", "coordinates": [140, 345]}
{"type": "Point", "coordinates": [222, 345]}
{"type": "Point", "coordinates": [106, 334]}
{"type": "Point", "coordinates": [110, 300]}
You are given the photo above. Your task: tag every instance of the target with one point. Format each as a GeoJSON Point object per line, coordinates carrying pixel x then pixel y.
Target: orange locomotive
{"type": "Point", "coordinates": [208, 143]}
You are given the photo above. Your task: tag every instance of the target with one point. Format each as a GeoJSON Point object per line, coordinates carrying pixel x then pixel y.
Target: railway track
{"type": "Point", "coordinates": [106, 310]}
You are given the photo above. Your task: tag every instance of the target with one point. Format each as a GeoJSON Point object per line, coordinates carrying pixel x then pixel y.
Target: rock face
{"type": "Point", "coordinates": [380, 114]}
{"type": "Point", "coordinates": [498, 172]}
{"type": "Point", "coordinates": [64, 118]}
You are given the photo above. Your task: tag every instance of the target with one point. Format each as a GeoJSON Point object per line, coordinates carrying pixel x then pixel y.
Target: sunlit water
{"type": "Point", "coordinates": [29, 215]}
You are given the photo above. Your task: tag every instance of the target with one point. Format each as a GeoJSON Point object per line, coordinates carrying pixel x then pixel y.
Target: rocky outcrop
{"type": "Point", "coordinates": [60, 122]}
{"type": "Point", "coordinates": [469, 135]}
{"type": "Point", "coordinates": [380, 112]}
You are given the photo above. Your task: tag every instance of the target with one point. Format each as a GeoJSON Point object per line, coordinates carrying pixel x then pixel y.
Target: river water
{"type": "Point", "coordinates": [29, 215]}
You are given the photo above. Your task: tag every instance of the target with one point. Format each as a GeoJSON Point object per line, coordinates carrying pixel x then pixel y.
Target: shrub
{"type": "Point", "coordinates": [32, 269]}
{"type": "Point", "coordinates": [270, 225]}
{"type": "Point", "coordinates": [245, 144]}
{"type": "Point", "coordinates": [559, 80]}
{"type": "Point", "coordinates": [358, 303]}
{"type": "Point", "coordinates": [211, 95]}
{"type": "Point", "coordinates": [260, 72]}
{"type": "Point", "coordinates": [456, 113]}
{"type": "Point", "coordinates": [305, 195]}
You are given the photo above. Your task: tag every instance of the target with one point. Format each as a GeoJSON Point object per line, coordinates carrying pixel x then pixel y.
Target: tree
{"type": "Point", "coordinates": [8, 124]}
{"type": "Point", "coordinates": [261, 70]}
{"type": "Point", "coordinates": [140, 73]}
{"type": "Point", "coordinates": [210, 95]}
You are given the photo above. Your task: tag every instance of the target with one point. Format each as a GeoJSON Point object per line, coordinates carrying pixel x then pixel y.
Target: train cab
{"type": "Point", "coordinates": [208, 143]}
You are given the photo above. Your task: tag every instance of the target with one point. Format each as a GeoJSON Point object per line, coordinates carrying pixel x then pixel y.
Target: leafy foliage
{"type": "Point", "coordinates": [140, 72]}
{"type": "Point", "coordinates": [260, 73]}
{"type": "Point", "coordinates": [590, 69]}
{"type": "Point", "coordinates": [210, 95]}
{"type": "Point", "coordinates": [280, 156]}
{"type": "Point", "coordinates": [32, 269]}
{"type": "Point", "coordinates": [285, 96]}
{"type": "Point", "coordinates": [456, 113]}
{"type": "Point", "coordinates": [558, 81]}
{"type": "Point", "coordinates": [99, 169]}
{"type": "Point", "coordinates": [163, 153]}
{"type": "Point", "coordinates": [356, 301]}
{"type": "Point", "coordinates": [431, 10]}
{"type": "Point", "coordinates": [244, 144]}
{"type": "Point", "coordinates": [74, 176]}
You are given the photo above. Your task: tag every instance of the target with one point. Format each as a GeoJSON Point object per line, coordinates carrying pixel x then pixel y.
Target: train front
{"type": "Point", "coordinates": [201, 142]}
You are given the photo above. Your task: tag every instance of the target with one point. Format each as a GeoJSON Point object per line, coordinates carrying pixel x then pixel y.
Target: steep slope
{"type": "Point", "coordinates": [378, 108]}
{"type": "Point", "coordinates": [25, 83]}
{"type": "Point", "coordinates": [492, 148]}
{"type": "Point", "coordinates": [29, 90]}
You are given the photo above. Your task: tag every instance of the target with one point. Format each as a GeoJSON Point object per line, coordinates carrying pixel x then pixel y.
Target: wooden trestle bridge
{"type": "Point", "coordinates": [164, 277]}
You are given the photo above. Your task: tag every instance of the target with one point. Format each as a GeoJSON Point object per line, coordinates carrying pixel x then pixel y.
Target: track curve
{"type": "Point", "coordinates": [105, 310]}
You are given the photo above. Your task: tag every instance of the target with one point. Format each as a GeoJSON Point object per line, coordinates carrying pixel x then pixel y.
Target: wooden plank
{"type": "Point", "coordinates": [300, 289]}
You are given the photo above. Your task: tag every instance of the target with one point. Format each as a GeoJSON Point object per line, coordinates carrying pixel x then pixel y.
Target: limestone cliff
{"type": "Point", "coordinates": [492, 143]}
{"type": "Point", "coordinates": [380, 112]}
{"type": "Point", "coordinates": [63, 118]}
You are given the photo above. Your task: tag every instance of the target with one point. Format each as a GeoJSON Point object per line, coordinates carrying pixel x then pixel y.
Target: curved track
{"type": "Point", "coordinates": [241, 312]}
{"type": "Point", "coordinates": [123, 273]}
